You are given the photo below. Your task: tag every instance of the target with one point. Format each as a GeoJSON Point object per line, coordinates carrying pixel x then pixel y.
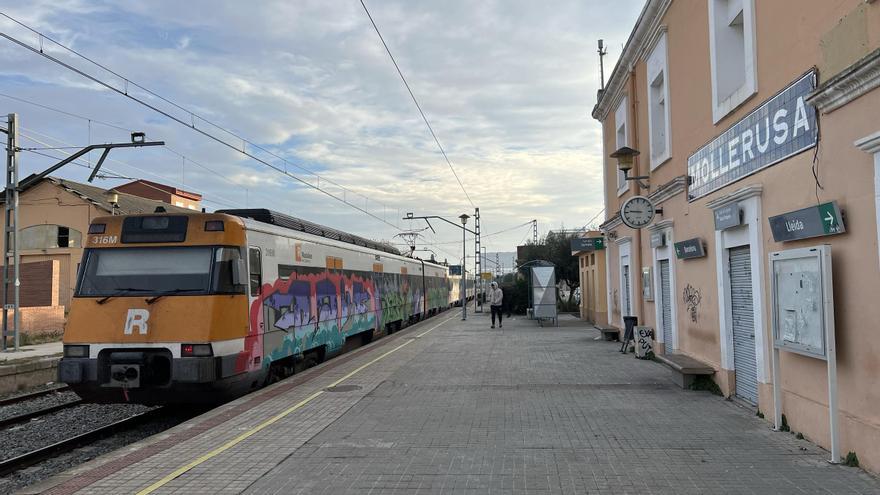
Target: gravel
{"type": "Point", "coordinates": [36, 404]}
{"type": "Point", "coordinates": [63, 462]}
{"type": "Point", "coordinates": [57, 426]}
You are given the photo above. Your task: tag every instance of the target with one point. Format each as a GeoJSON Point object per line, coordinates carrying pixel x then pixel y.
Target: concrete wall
{"type": "Point", "coordinates": [792, 37]}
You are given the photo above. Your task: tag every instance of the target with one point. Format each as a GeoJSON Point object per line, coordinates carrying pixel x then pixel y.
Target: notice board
{"type": "Point", "coordinates": [802, 301]}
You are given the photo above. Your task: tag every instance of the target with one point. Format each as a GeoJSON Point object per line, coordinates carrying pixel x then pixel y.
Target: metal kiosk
{"type": "Point", "coordinates": [543, 291]}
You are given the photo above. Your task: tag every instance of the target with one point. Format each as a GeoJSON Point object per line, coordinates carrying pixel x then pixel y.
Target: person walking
{"type": "Point", "coordinates": [496, 297]}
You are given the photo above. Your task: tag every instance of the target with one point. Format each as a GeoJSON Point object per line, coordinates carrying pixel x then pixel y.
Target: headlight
{"type": "Point", "coordinates": [76, 351]}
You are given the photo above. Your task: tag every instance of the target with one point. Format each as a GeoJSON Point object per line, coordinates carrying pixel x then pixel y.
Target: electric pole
{"type": "Point", "coordinates": [10, 234]}
{"type": "Point", "coordinates": [478, 280]}
{"type": "Point", "coordinates": [535, 231]}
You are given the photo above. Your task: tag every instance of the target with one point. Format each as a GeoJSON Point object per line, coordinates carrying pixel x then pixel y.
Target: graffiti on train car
{"type": "Point", "coordinates": [314, 307]}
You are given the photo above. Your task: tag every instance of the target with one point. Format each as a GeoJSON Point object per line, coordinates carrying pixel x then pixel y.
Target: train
{"type": "Point", "coordinates": [183, 308]}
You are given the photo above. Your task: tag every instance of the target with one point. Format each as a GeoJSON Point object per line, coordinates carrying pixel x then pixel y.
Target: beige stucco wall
{"type": "Point", "coordinates": [47, 203]}
{"type": "Point", "coordinates": [594, 302]}
{"type": "Point", "coordinates": [791, 40]}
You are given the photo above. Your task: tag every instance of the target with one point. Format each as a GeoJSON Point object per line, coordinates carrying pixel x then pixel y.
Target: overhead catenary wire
{"type": "Point", "coordinates": [193, 117]}
{"type": "Point", "coordinates": [167, 148]}
{"type": "Point", "coordinates": [416, 101]}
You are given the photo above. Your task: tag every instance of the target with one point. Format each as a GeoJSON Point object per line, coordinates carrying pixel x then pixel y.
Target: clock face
{"type": "Point", "coordinates": [637, 212]}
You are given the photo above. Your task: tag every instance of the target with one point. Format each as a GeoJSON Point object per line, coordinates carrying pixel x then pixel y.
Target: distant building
{"type": "Point", "coordinates": [161, 192]}
{"type": "Point", "coordinates": [54, 215]}
{"type": "Point", "coordinates": [591, 266]}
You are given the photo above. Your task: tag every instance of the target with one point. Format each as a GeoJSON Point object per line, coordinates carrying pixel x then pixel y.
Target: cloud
{"type": "Point", "coordinates": [507, 86]}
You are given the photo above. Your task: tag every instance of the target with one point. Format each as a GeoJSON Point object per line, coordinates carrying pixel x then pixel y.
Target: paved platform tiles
{"type": "Point", "coordinates": [466, 409]}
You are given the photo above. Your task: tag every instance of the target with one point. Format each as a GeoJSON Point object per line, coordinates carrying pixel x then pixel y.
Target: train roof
{"type": "Point", "coordinates": [281, 220]}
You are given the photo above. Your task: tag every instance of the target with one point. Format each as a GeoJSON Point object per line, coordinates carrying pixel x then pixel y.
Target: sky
{"type": "Point", "coordinates": [507, 86]}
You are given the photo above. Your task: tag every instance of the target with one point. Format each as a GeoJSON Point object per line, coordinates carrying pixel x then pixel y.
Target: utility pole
{"type": "Point", "coordinates": [535, 231]}
{"type": "Point", "coordinates": [498, 269]}
{"type": "Point", "coordinates": [478, 270]}
{"type": "Point", "coordinates": [10, 234]}
{"type": "Point", "coordinates": [464, 230]}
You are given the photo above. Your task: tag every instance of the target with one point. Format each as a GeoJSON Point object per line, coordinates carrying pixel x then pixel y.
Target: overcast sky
{"type": "Point", "coordinates": [507, 86]}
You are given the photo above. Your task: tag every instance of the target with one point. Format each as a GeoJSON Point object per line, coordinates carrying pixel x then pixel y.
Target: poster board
{"type": "Point", "coordinates": [802, 306]}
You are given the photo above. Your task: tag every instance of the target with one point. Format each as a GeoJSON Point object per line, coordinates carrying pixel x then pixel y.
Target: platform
{"type": "Point", "coordinates": [453, 407]}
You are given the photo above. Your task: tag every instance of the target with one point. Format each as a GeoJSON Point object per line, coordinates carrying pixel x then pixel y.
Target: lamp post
{"type": "Point", "coordinates": [464, 218]}
{"type": "Point", "coordinates": [464, 230]}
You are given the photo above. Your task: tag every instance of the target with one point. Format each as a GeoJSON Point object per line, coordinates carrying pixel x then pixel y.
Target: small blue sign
{"type": "Point", "coordinates": [455, 270]}
{"type": "Point", "coordinates": [783, 126]}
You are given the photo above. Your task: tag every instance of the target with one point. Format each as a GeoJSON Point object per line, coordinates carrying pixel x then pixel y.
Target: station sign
{"type": "Point", "coordinates": [814, 221]}
{"type": "Point", "coordinates": [455, 270]}
{"type": "Point", "coordinates": [691, 248]}
{"type": "Point", "coordinates": [587, 244]}
{"type": "Point", "coordinates": [486, 275]}
{"type": "Point", "coordinates": [728, 216]}
{"type": "Point", "coordinates": [782, 126]}
{"type": "Point", "coordinates": [658, 239]}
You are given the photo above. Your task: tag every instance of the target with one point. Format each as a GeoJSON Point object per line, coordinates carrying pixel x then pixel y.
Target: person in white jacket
{"type": "Point", "coordinates": [496, 296]}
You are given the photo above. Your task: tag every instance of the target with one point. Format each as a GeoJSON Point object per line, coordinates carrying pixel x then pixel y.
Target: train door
{"type": "Point", "coordinates": [255, 287]}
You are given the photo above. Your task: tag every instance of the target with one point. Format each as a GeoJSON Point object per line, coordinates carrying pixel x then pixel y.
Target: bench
{"type": "Point", "coordinates": [609, 333]}
{"type": "Point", "coordinates": [685, 368]}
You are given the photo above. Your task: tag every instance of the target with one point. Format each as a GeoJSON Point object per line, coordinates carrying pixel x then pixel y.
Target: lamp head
{"type": "Point", "coordinates": [464, 218]}
{"type": "Point", "coordinates": [625, 157]}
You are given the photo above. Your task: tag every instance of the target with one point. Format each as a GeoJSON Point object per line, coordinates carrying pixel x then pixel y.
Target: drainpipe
{"type": "Point", "coordinates": [636, 171]}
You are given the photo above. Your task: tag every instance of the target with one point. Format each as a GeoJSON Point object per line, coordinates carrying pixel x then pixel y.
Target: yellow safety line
{"type": "Point", "coordinates": [244, 436]}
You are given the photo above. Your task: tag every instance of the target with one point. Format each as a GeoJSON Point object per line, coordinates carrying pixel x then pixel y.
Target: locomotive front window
{"type": "Point", "coordinates": [159, 270]}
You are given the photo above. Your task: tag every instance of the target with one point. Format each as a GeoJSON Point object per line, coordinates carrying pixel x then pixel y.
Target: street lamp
{"type": "Point", "coordinates": [625, 156]}
{"type": "Point", "coordinates": [464, 218]}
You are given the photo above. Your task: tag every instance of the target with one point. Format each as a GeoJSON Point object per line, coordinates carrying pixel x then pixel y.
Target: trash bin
{"type": "Point", "coordinates": [629, 323]}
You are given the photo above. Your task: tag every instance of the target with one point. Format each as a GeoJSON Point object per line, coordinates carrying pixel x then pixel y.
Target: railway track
{"type": "Point", "coordinates": [32, 395]}
{"type": "Point", "coordinates": [21, 418]}
{"type": "Point", "coordinates": [35, 456]}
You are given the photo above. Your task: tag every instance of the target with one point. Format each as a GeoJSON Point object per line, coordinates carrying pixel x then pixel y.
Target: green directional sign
{"type": "Point", "coordinates": [829, 214]}
{"type": "Point", "coordinates": [814, 221]}
{"type": "Point", "coordinates": [587, 244]}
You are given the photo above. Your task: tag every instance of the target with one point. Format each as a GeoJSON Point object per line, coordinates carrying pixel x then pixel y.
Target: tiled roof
{"type": "Point", "coordinates": [127, 203]}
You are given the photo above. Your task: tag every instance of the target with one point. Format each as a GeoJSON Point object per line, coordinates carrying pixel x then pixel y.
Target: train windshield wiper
{"type": "Point", "coordinates": [171, 292]}
{"type": "Point", "coordinates": [121, 292]}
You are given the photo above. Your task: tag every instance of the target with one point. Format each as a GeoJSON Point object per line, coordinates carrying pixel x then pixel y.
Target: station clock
{"type": "Point", "coordinates": [637, 212]}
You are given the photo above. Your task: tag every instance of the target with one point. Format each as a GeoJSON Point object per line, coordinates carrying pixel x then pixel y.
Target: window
{"type": "Point", "coordinates": [255, 269]}
{"type": "Point", "coordinates": [732, 53]}
{"type": "Point", "coordinates": [621, 140]}
{"type": "Point", "coordinates": [49, 237]}
{"type": "Point", "coordinates": [658, 110]}
{"type": "Point", "coordinates": [158, 270]}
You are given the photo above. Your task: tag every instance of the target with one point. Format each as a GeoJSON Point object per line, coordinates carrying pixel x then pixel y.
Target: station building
{"type": "Point", "coordinates": [757, 130]}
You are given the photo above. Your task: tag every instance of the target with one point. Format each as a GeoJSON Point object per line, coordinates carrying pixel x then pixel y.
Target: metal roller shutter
{"type": "Point", "coordinates": [743, 319]}
{"type": "Point", "coordinates": [666, 305]}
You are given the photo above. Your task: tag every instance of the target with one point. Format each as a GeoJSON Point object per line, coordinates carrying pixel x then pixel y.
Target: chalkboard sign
{"type": "Point", "coordinates": [802, 301]}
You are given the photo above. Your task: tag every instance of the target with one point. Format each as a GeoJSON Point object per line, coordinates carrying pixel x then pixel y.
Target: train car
{"type": "Point", "coordinates": [189, 308]}
{"type": "Point", "coordinates": [455, 290]}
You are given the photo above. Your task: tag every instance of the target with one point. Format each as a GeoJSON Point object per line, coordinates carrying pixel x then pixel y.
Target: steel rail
{"type": "Point", "coordinates": [37, 455]}
{"type": "Point", "coordinates": [21, 418]}
{"type": "Point", "coordinates": [32, 395]}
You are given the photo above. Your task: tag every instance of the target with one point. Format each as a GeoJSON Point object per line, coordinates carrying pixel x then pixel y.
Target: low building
{"type": "Point", "coordinates": [591, 266]}
{"type": "Point", "coordinates": [161, 192]}
{"type": "Point", "coordinates": [724, 100]}
{"type": "Point", "coordinates": [54, 214]}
